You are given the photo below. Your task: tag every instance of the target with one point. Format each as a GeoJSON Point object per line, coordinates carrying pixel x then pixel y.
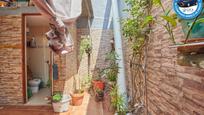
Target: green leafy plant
{"type": "Point", "coordinates": [57, 97]}
{"type": "Point", "coordinates": [112, 75]}
{"type": "Point", "coordinates": [86, 82]}
{"type": "Point", "coordinates": [99, 91]}
{"type": "Point", "coordinates": [85, 46]}
{"type": "Point", "coordinates": [197, 20]}
{"type": "Point", "coordinates": [112, 71]}
{"type": "Point", "coordinates": [49, 84]}
{"type": "Point", "coordinates": [136, 29]}
{"type": "Point", "coordinates": [99, 95]}
{"type": "Point", "coordinates": [169, 19]}
{"type": "Point", "coordinates": [112, 56]}
{"type": "Point", "coordinates": [118, 101]}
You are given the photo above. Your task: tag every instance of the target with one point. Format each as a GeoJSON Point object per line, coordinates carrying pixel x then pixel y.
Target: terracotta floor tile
{"type": "Point", "coordinates": [88, 107]}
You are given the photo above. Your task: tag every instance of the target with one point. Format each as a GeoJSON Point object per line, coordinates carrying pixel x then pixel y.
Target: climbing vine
{"type": "Point", "coordinates": [136, 29]}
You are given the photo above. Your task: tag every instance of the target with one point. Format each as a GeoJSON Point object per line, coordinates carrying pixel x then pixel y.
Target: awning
{"type": "Point", "coordinates": [62, 14]}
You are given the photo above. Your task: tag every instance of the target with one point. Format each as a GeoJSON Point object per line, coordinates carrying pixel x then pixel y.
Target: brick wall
{"type": "Point", "coordinates": [67, 66]}
{"type": "Point", "coordinates": [171, 88]}
{"type": "Point", "coordinates": [70, 66]}
{"type": "Point", "coordinates": [10, 60]}
{"type": "Point", "coordinates": [100, 47]}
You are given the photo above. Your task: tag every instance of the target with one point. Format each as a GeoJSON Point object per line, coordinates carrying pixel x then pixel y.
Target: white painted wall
{"type": "Point", "coordinates": [37, 57]}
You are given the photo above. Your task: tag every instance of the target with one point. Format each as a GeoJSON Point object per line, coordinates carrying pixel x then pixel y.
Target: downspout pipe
{"type": "Point", "coordinates": [121, 81]}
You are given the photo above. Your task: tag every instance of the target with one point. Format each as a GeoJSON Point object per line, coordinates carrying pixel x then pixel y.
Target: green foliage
{"type": "Point", "coordinates": [112, 71]}
{"type": "Point", "coordinates": [200, 20]}
{"type": "Point", "coordinates": [86, 82]}
{"type": "Point", "coordinates": [147, 20]}
{"type": "Point", "coordinates": [111, 74]}
{"type": "Point", "coordinates": [49, 84]}
{"type": "Point", "coordinates": [118, 101]}
{"type": "Point", "coordinates": [171, 20]}
{"type": "Point", "coordinates": [57, 97]}
{"type": "Point", "coordinates": [135, 27]}
{"type": "Point", "coordinates": [112, 56]}
{"type": "Point", "coordinates": [157, 2]}
{"type": "Point", "coordinates": [85, 46]}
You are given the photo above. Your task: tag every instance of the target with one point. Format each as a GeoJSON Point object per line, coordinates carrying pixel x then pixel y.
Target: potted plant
{"type": "Point", "coordinates": [97, 81]}
{"type": "Point", "coordinates": [60, 102]}
{"type": "Point", "coordinates": [99, 94]}
{"type": "Point", "coordinates": [85, 46]}
{"type": "Point", "coordinates": [98, 84]}
{"type": "Point", "coordinates": [77, 97]}
{"type": "Point", "coordinates": [78, 94]}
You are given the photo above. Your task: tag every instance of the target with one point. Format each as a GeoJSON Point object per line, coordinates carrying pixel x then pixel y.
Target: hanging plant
{"type": "Point", "coordinates": [85, 46]}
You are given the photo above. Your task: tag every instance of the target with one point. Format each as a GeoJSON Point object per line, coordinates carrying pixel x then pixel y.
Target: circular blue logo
{"type": "Point", "coordinates": [188, 9]}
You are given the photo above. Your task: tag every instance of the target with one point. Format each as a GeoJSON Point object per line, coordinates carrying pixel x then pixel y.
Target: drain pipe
{"type": "Point", "coordinates": [121, 81]}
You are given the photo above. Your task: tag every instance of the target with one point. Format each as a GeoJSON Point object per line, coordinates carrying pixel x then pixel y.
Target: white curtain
{"type": "Point", "coordinates": [61, 14]}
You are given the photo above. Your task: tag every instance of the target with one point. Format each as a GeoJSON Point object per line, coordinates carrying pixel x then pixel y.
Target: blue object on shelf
{"type": "Point", "coordinates": [55, 71]}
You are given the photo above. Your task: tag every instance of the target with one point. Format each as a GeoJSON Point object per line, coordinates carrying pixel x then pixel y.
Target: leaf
{"type": "Point", "coordinates": [167, 12]}
{"type": "Point", "coordinates": [171, 20]}
{"type": "Point", "coordinates": [147, 20]}
{"type": "Point", "coordinates": [201, 20]}
{"type": "Point", "coordinates": [174, 16]}
{"type": "Point", "coordinates": [157, 2]}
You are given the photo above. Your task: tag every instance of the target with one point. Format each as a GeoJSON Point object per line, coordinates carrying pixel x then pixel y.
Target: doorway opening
{"type": "Point", "coordinates": [38, 59]}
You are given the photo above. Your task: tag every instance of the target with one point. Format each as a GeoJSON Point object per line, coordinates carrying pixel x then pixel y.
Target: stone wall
{"type": "Point", "coordinates": [10, 60]}
{"type": "Point", "coordinates": [171, 89]}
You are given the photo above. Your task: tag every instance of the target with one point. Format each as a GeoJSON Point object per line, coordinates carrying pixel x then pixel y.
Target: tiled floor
{"type": "Point", "coordinates": [39, 98]}
{"type": "Point", "coordinates": [88, 107]}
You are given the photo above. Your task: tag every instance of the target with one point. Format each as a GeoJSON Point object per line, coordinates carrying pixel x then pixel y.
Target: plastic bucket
{"type": "Point", "coordinates": [63, 105]}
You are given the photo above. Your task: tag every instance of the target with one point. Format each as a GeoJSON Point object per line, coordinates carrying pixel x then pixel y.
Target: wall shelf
{"type": "Point", "coordinates": [193, 45]}
{"type": "Point", "coordinates": [190, 47]}
{"type": "Point", "coordinates": [191, 53]}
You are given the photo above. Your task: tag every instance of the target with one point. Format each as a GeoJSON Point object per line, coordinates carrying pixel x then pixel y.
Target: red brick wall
{"type": "Point", "coordinates": [171, 89]}
{"type": "Point", "coordinates": [10, 60]}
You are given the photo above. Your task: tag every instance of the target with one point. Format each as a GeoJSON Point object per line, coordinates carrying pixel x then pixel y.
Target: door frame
{"type": "Point", "coordinates": [24, 57]}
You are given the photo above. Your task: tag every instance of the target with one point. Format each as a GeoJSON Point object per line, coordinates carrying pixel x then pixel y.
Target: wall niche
{"type": "Point", "coordinates": [191, 54]}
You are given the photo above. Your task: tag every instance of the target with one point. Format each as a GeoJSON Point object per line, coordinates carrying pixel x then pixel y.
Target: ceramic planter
{"type": "Point", "coordinates": [63, 105]}
{"type": "Point", "coordinates": [77, 98]}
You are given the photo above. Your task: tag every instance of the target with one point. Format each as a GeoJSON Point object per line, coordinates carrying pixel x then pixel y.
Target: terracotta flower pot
{"type": "Point", "coordinates": [77, 98]}
{"type": "Point", "coordinates": [98, 84]}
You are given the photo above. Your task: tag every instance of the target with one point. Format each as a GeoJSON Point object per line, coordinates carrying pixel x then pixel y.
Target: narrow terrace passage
{"type": "Point", "coordinates": [88, 107]}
